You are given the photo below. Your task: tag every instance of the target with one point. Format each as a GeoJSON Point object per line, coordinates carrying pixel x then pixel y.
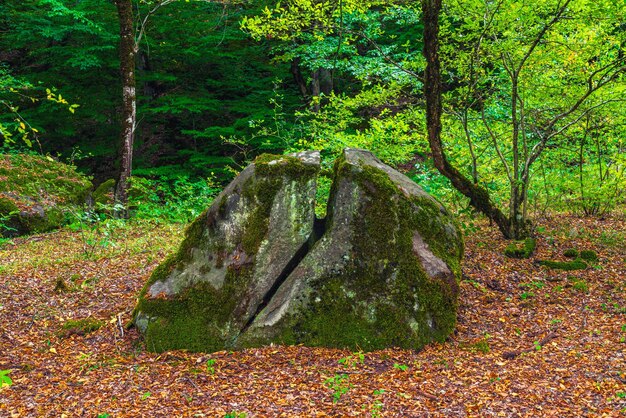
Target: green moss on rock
{"type": "Point", "coordinates": [384, 250]}
{"type": "Point", "coordinates": [36, 192]}
{"type": "Point", "coordinates": [195, 320]}
{"type": "Point", "coordinates": [577, 264]}
{"type": "Point", "coordinates": [384, 273]}
{"type": "Point", "coordinates": [80, 326]}
{"type": "Point", "coordinates": [362, 286]}
{"type": "Point", "coordinates": [521, 249]}
{"type": "Point", "coordinates": [283, 165]}
{"type": "Point", "coordinates": [104, 193]}
{"type": "Point", "coordinates": [589, 255]}
{"type": "Point", "coordinates": [571, 253]}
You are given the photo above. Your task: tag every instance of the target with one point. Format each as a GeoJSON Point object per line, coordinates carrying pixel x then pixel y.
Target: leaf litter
{"type": "Point", "coordinates": [530, 341]}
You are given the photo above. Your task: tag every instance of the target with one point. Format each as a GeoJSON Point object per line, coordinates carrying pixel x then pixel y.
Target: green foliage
{"type": "Point", "coordinates": [535, 284]}
{"type": "Point", "coordinates": [178, 200]}
{"type": "Point", "coordinates": [327, 75]}
{"type": "Point", "coordinates": [210, 366]}
{"type": "Point", "coordinates": [571, 253]}
{"type": "Point", "coordinates": [401, 367]}
{"type": "Point", "coordinates": [339, 384]}
{"type": "Point", "coordinates": [492, 58]}
{"type": "Point", "coordinates": [579, 284]}
{"type": "Point", "coordinates": [200, 80]}
{"type": "Point", "coordinates": [59, 44]}
{"type": "Point", "coordinates": [367, 106]}
{"type": "Point", "coordinates": [12, 122]}
{"type": "Point", "coordinates": [352, 360]}
{"type": "Point", "coordinates": [97, 228]}
{"type": "Point", "coordinates": [505, 53]}
{"type": "Point", "coordinates": [6, 214]}
{"type": "Point", "coordinates": [377, 406]}
{"type": "Point", "coordinates": [5, 380]}
{"type": "Point", "coordinates": [235, 414]}
{"type": "Point", "coordinates": [612, 238]}
{"type": "Point", "coordinates": [526, 295]}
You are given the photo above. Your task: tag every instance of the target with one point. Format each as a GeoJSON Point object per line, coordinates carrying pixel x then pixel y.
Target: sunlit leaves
{"type": "Point", "coordinates": [540, 57]}
{"type": "Point", "coordinates": [5, 380]}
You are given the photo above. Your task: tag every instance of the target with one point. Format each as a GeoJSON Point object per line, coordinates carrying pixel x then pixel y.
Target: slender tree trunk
{"type": "Point", "coordinates": [581, 149]}
{"type": "Point", "coordinates": [479, 197]}
{"type": "Point", "coordinates": [470, 145]}
{"type": "Point", "coordinates": [515, 198]}
{"type": "Point", "coordinates": [315, 91]}
{"type": "Point", "coordinates": [298, 78]}
{"type": "Point", "coordinates": [129, 112]}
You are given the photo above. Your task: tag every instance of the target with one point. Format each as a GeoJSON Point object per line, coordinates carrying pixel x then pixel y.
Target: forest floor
{"type": "Point", "coordinates": [529, 342]}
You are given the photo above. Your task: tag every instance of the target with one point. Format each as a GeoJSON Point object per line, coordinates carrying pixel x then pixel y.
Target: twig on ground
{"type": "Point", "coordinates": [119, 325]}
{"type": "Point", "coordinates": [509, 355]}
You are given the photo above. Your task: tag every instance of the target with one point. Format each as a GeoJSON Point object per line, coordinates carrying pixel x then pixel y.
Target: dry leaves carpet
{"type": "Point", "coordinates": [530, 341]}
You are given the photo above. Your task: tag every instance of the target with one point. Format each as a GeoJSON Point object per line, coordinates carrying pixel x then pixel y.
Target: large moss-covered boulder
{"type": "Point", "coordinates": [385, 273]}
{"type": "Point", "coordinates": [257, 268]}
{"type": "Point", "coordinates": [36, 192]}
{"type": "Point", "coordinates": [203, 296]}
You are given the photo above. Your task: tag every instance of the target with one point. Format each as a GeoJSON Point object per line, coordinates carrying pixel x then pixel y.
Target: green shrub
{"type": "Point", "coordinates": [580, 285]}
{"type": "Point", "coordinates": [5, 380]}
{"type": "Point", "coordinates": [521, 249]}
{"type": "Point", "coordinates": [179, 200]}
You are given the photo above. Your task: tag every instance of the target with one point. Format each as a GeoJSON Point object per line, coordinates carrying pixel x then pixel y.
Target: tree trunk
{"type": "Point", "coordinates": [297, 76]}
{"type": "Point", "coordinates": [129, 112]}
{"type": "Point", "coordinates": [479, 197]}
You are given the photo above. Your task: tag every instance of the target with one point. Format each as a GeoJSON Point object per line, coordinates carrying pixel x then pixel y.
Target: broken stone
{"type": "Point", "coordinates": [382, 270]}
{"type": "Point", "coordinates": [201, 297]}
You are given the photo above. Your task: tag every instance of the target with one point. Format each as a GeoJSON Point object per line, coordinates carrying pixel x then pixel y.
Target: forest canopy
{"type": "Point", "coordinates": [531, 93]}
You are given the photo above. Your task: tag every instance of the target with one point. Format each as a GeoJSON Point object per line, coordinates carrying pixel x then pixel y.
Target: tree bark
{"type": "Point", "coordinates": [479, 197]}
{"type": "Point", "coordinates": [129, 111]}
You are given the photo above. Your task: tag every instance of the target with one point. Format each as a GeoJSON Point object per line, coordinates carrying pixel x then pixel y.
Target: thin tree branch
{"type": "Point", "coordinates": [144, 22]}
{"type": "Point", "coordinates": [495, 144]}
{"type": "Point", "coordinates": [540, 35]}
